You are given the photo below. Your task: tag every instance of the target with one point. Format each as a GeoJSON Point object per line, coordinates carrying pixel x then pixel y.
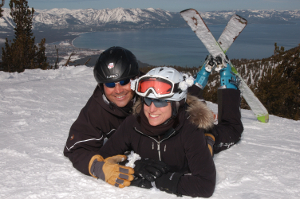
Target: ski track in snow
{"type": "Point", "coordinates": [38, 107]}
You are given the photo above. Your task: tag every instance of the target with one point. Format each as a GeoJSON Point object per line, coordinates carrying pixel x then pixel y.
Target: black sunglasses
{"type": "Point", "coordinates": [113, 84]}
{"type": "Point", "coordinates": [158, 103]}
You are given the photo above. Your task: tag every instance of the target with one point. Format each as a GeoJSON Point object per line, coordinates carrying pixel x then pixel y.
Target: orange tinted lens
{"type": "Point", "coordinates": [159, 85]}
{"type": "Point", "coordinates": [144, 85]}
{"type": "Point", "coordinates": [162, 87]}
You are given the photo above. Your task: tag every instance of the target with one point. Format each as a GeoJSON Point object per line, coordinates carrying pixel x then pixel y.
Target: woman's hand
{"type": "Point", "coordinates": [150, 169]}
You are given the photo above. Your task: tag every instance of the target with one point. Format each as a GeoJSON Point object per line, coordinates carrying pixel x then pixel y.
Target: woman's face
{"type": "Point", "coordinates": [157, 116]}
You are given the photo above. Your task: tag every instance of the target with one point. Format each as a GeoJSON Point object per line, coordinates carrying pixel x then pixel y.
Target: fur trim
{"type": "Point", "coordinates": [200, 114]}
{"type": "Point", "coordinates": [137, 107]}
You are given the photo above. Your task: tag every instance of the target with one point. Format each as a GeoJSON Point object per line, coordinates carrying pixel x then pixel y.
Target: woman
{"type": "Point", "coordinates": [163, 127]}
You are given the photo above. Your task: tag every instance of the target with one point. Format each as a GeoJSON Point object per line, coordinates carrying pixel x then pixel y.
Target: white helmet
{"type": "Point", "coordinates": [164, 82]}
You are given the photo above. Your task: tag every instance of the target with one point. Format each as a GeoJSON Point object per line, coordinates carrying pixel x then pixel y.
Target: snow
{"type": "Point", "coordinates": [38, 108]}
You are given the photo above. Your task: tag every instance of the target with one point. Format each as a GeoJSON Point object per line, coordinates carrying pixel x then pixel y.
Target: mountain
{"type": "Point", "coordinates": [254, 16]}
{"type": "Point", "coordinates": [121, 19]}
{"type": "Point", "coordinates": [93, 20]}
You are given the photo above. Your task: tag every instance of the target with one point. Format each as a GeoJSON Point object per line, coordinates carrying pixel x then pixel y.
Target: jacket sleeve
{"type": "Point", "coordinates": [119, 142]}
{"type": "Point", "coordinates": [196, 91]}
{"type": "Point", "coordinates": [229, 129]}
{"type": "Point", "coordinates": [85, 137]}
{"type": "Point", "coordinates": [201, 180]}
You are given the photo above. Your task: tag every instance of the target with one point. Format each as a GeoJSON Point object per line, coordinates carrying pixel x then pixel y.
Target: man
{"type": "Point", "coordinates": [112, 102]}
{"type": "Point", "coordinates": [106, 109]}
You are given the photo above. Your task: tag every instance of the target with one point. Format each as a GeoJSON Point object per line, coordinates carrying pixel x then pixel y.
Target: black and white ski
{"type": "Point", "coordinates": [234, 27]}
{"type": "Point", "coordinates": [195, 21]}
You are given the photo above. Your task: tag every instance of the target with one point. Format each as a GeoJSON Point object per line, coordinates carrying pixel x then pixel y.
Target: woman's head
{"type": "Point", "coordinates": [163, 89]}
{"type": "Point", "coordinates": [162, 83]}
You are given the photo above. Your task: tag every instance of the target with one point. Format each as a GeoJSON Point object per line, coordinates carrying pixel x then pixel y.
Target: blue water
{"type": "Point", "coordinates": [181, 47]}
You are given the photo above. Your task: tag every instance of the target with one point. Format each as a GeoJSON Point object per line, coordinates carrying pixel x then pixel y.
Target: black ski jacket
{"type": "Point", "coordinates": [99, 119]}
{"type": "Point", "coordinates": [183, 148]}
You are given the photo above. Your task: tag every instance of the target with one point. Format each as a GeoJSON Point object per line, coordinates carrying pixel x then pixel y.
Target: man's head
{"type": "Point", "coordinates": [120, 94]}
{"type": "Point", "coordinates": [114, 69]}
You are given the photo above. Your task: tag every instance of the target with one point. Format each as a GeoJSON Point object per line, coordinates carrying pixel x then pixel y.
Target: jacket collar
{"type": "Point", "coordinates": [106, 105]}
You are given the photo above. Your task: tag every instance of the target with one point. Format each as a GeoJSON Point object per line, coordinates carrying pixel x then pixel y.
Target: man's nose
{"type": "Point", "coordinates": [118, 88]}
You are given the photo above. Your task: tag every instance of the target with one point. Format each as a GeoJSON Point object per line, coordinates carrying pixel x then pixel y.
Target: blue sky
{"type": "Point", "coordinates": [170, 5]}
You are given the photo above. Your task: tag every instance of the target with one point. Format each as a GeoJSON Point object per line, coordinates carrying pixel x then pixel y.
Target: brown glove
{"type": "Point", "coordinates": [110, 171]}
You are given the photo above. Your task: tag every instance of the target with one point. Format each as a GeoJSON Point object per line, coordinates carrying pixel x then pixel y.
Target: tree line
{"type": "Point", "coordinates": [22, 53]}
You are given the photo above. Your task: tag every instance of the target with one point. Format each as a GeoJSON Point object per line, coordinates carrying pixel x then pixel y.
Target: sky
{"type": "Point", "coordinates": [170, 5]}
{"type": "Point", "coordinates": [36, 112]}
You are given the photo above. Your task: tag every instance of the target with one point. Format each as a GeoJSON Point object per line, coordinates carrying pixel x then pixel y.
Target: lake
{"type": "Point", "coordinates": [181, 47]}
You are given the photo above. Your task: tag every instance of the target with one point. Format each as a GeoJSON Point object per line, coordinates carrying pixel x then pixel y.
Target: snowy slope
{"type": "Point", "coordinates": [38, 108]}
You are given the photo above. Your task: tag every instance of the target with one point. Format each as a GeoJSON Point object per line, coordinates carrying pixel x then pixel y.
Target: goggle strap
{"type": "Point", "coordinates": [176, 88]}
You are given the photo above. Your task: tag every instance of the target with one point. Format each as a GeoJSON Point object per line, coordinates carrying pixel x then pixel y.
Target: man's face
{"type": "Point", "coordinates": [120, 95]}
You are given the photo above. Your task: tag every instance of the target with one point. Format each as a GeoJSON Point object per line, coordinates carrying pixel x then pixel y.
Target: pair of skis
{"type": "Point", "coordinates": [218, 49]}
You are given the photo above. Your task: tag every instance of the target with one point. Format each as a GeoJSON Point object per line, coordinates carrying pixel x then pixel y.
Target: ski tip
{"type": "Point", "coordinates": [189, 10]}
{"type": "Point", "coordinates": [186, 10]}
{"type": "Point", "coordinates": [242, 20]}
{"type": "Point", "coordinates": [264, 118]}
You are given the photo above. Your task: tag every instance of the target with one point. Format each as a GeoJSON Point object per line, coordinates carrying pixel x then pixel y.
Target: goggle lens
{"type": "Point", "coordinates": [160, 86]}
{"type": "Point", "coordinates": [157, 102]}
{"type": "Point", "coordinates": [113, 84]}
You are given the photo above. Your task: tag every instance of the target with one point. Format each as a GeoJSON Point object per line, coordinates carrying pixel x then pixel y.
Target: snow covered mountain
{"type": "Point", "coordinates": [120, 18]}
{"type": "Point", "coordinates": [91, 19]}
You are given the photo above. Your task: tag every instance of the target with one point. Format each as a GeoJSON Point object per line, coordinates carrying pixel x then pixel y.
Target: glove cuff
{"type": "Point", "coordinates": [210, 140]}
{"type": "Point", "coordinates": [169, 182]}
{"type": "Point", "coordinates": [95, 157]}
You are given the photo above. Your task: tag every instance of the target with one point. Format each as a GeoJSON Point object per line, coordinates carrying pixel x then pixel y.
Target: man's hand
{"type": "Point", "coordinates": [110, 171]}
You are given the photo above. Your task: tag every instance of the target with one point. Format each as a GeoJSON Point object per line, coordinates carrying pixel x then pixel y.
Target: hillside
{"type": "Point", "coordinates": [274, 80]}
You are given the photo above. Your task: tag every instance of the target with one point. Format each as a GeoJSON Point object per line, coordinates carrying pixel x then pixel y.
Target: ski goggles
{"type": "Point", "coordinates": [160, 86]}
{"type": "Point", "coordinates": [113, 84]}
{"type": "Point", "coordinates": [158, 103]}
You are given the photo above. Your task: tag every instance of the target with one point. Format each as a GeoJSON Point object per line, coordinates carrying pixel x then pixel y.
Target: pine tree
{"type": "Point", "coordinates": [278, 90]}
{"type": "Point", "coordinates": [1, 5]}
{"type": "Point", "coordinates": [23, 53]}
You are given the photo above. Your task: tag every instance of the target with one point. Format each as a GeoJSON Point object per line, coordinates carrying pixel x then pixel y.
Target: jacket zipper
{"type": "Point", "coordinates": [158, 142]}
{"type": "Point", "coordinates": [158, 149]}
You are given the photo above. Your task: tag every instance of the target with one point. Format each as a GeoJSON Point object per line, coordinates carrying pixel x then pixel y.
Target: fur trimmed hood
{"type": "Point", "coordinates": [199, 113]}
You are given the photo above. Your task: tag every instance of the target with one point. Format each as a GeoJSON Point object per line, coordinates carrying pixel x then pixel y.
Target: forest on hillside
{"type": "Point", "coordinates": [274, 80]}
